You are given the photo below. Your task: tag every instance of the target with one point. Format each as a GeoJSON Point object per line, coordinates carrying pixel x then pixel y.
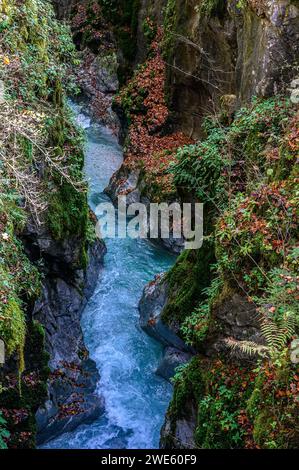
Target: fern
{"type": "Point", "coordinates": [276, 337]}
{"type": "Point", "coordinates": [250, 348]}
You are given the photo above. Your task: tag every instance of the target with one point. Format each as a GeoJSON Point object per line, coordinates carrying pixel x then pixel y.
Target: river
{"type": "Point", "coordinates": [136, 399]}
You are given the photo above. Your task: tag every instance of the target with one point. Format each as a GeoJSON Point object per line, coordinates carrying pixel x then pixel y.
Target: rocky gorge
{"type": "Point", "coordinates": [198, 94]}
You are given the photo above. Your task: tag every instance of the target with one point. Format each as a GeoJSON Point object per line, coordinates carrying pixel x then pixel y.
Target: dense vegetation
{"type": "Point", "coordinates": [245, 171]}
{"type": "Point", "coordinates": [93, 21]}
{"type": "Point", "coordinates": [246, 174]}
{"type": "Point", "coordinates": [41, 185]}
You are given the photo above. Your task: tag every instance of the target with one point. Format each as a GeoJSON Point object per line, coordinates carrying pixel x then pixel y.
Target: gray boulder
{"type": "Point", "coordinates": [151, 306]}
{"type": "Point", "coordinates": [172, 359]}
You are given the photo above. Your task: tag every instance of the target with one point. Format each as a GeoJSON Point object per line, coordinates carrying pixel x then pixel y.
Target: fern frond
{"type": "Point", "coordinates": [250, 348]}
{"type": "Point", "coordinates": [277, 335]}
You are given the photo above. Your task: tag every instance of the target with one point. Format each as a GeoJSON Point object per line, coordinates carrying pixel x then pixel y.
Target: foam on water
{"type": "Point", "coordinates": [136, 399]}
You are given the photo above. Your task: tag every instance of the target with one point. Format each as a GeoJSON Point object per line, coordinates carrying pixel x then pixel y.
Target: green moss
{"type": "Point", "coordinates": [68, 217]}
{"type": "Point", "coordinates": [35, 351]}
{"type": "Point", "coordinates": [68, 213]}
{"type": "Point", "coordinates": [12, 329]}
{"type": "Point", "coordinates": [19, 279]}
{"type": "Point", "coordinates": [262, 426]}
{"type": "Point", "coordinates": [187, 280]}
{"type": "Point", "coordinates": [21, 408]}
{"type": "Point", "coordinates": [188, 386]}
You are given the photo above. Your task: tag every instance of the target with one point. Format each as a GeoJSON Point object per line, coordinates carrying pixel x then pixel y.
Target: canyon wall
{"type": "Point", "coordinates": [217, 48]}
{"type": "Point", "coordinates": [220, 56]}
{"type": "Point", "coordinates": [233, 62]}
{"type": "Point", "coordinates": [50, 259]}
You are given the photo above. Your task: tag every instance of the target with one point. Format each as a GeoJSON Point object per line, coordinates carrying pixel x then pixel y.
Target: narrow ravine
{"type": "Point", "coordinates": [136, 399]}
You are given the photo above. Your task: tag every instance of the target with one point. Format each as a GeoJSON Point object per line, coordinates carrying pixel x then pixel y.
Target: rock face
{"type": "Point", "coordinates": [246, 51]}
{"type": "Point", "coordinates": [64, 296]}
{"type": "Point", "coordinates": [72, 397]}
{"type": "Point", "coordinates": [124, 183]}
{"type": "Point", "coordinates": [173, 358]}
{"type": "Point", "coordinates": [239, 320]}
{"type": "Point", "coordinates": [129, 183]}
{"type": "Point", "coordinates": [180, 435]}
{"type": "Point", "coordinates": [151, 307]}
{"type": "Point", "coordinates": [72, 400]}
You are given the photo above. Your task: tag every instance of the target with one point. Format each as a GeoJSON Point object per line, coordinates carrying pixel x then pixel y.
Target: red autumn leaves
{"type": "Point", "coordinates": [148, 148]}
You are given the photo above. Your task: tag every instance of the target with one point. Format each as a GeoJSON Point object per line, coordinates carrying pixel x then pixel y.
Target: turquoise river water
{"type": "Point", "coordinates": [136, 399]}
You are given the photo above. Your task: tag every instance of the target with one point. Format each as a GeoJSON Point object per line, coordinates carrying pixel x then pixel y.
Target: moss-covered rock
{"type": "Point", "coordinates": [243, 323]}
{"type": "Point", "coordinates": [44, 215]}
{"type": "Point", "coordinates": [187, 281]}
{"type": "Point", "coordinates": [22, 396]}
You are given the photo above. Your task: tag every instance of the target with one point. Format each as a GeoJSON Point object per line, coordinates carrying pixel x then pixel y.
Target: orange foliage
{"type": "Point", "coordinates": [148, 148]}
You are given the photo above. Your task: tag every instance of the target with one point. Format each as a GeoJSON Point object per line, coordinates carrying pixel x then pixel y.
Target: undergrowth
{"type": "Point", "coordinates": [246, 175]}
{"type": "Point", "coordinates": [41, 187]}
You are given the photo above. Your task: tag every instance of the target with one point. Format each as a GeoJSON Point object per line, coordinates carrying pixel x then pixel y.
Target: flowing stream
{"type": "Point", "coordinates": [136, 399]}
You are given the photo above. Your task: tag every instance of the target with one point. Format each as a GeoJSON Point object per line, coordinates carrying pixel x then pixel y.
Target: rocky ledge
{"type": "Point", "coordinates": [129, 183]}
{"type": "Point", "coordinates": [236, 319]}
{"type": "Point", "coordinates": [151, 306]}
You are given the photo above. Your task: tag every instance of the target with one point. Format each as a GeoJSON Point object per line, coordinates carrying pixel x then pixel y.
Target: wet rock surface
{"type": "Point", "coordinates": [66, 290]}
{"type": "Point", "coordinates": [151, 307]}
{"type": "Point", "coordinates": [179, 434]}
{"type": "Point", "coordinates": [238, 320]}
{"type": "Point", "coordinates": [173, 358]}
{"type": "Point", "coordinates": [124, 183]}
{"type": "Point", "coordinates": [72, 400]}
{"type": "Point", "coordinates": [129, 184]}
